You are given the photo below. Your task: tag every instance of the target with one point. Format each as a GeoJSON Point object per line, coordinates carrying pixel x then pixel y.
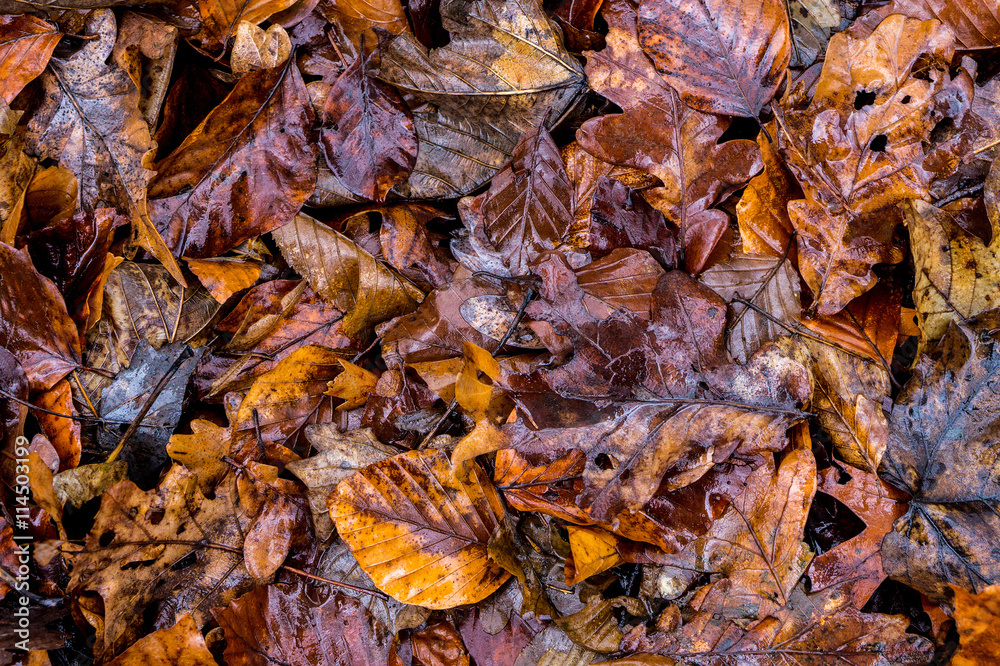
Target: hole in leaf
{"type": "Point", "coordinates": [604, 462]}
{"type": "Point", "coordinates": [878, 144]}
{"type": "Point", "coordinates": [906, 99]}
{"type": "Point", "coordinates": [156, 516]}
{"type": "Point", "coordinates": [830, 523]}
{"type": "Point", "coordinates": [106, 539]}
{"type": "Point", "coordinates": [942, 130]}
{"type": "Point", "coordinates": [741, 128]}
{"type": "Point", "coordinates": [185, 562]}
{"type": "Point", "coordinates": [863, 98]}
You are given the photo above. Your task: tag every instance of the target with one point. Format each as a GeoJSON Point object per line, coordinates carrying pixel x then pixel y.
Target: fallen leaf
{"type": "Point", "coordinates": [26, 44]}
{"type": "Point", "coordinates": [256, 49]}
{"type": "Point", "coordinates": [475, 112]}
{"type": "Point", "coordinates": [81, 484]}
{"type": "Point", "coordinates": [439, 645]}
{"type": "Point", "coordinates": [976, 616]}
{"type": "Point", "coordinates": [90, 122]}
{"type": "Point", "coordinates": [221, 17]}
{"type": "Point", "coordinates": [957, 275]}
{"type": "Point", "coordinates": [762, 211]}
{"type": "Point", "coordinates": [439, 558]}
{"type": "Point", "coordinates": [941, 438]}
{"type": "Point", "coordinates": [339, 456]}
{"type": "Point", "coordinates": [368, 137]}
{"type": "Point", "coordinates": [726, 58]}
{"type": "Point", "coordinates": [180, 644]}
{"type": "Point", "coordinates": [34, 324]}
{"type": "Point", "coordinates": [976, 24]}
{"type": "Point", "coordinates": [279, 623]}
{"type": "Point", "coordinates": [63, 433]}
{"type": "Point", "coordinates": [346, 275]}
{"type": "Point", "coordinates": [359, 19]}
{"type": "Point", "coordinates": [592, 552]}
{"type": "Point", "coordinates": [621, 218]}
{"type": "Point", "coordinates": [202, 451]}
{"type": "Point", "coordinates": [659, 134]}
{"type": "Point", "coordinates": [244, 171]}
{"type": "Point", "coordinates": [224, 277]}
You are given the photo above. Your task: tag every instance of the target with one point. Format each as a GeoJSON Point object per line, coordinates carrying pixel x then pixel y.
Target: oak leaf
{"type": "Point", "coordinates": [419, 532]}
{"type": "Point", "coordinates": [659, 134]}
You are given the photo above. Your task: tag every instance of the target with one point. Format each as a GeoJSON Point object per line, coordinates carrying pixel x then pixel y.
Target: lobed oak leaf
{"type": "Point", "coordinates": [418, 531]}
{"type": "Point", "coordinates": [244, 171]}
{"type": "Point", "coordinates": [504, 72]}
{"type": "Point", "coordinates": [942, 435]}
{"type": "Point", "coordinates": [137, 539]}
{"type": "Point", "coordinates": [202, 452]}
{"type": "Point", "coordinates": [660, 135]}
{"type": "Point", "coordinates": [723, 57]}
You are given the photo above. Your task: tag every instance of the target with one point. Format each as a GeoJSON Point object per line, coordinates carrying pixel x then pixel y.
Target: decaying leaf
{"type": "Point", "coordinates": [976, 616]}
{"type": "Point", "coordinates": [180, 644]}
{"type": "Point", "coordinates": [26, 44]}
{"type": "Point", "coordinates": [504, 71]}
{"type": "Point", "coordinates": [419, 532]}
{"type": "Point", "coordinates": [723, 57]}
{"type": "Point", "coordinates": [942, 434]}
{"type": "Point", "coordinates": [244, 171]}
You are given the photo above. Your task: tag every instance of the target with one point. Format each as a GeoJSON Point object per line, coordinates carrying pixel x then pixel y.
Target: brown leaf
{"type": "Point", "coordinates": [413, 250]}
{"type": "Point", "coordinates": [34, 324]}
{"type": "Point", "coordinates": [762, 211]}
{"type": "Point", "coordinates": [624, 279]}
{"type": "Point", "coordinates": [63, 433]}
{"type": "Point", "coordinates": [620, 217]}
{"type": "Point", "coordinates": [220, 17]}
{"type": "Point", "coordinates": [281, 624]}
{"type": "Point", "coordinates": [138, 538]}
{"type": "Point", "coordinates": [244, 171]}
{"type": "Point", "coordinates": [723, 57]}
{"type": "Point", "coordinates": [660, 135]}
{"type": "Point", "coordinates": [180, 644]}
{"type": "Point", "coordinates": [430, 550]}
{"type": "Point", "coordinates": [224, 277]}
{"type": "Point", "coordinates": [504, 72]}
{"type": "Point", "coordinates": [89, 103]}
{"type": "Point", "coordinates": [359, 19]}
{"type": "Point", "coordinates": [941, 441]}
{"type": "Point", "coordinates": [26, 44]}
{"type": "Point", "coordinates": [439, 645]}
{"type": "Point", "coordinates": [770, 284]}
{"type": "Point", "coordinates": [368, 139]}
{"type": "Point", "coordinates": [339, 456]}
{"type": "Point", "coordinates": [269, 323]}
{"type": "Point", "coordinates": [976, 24]}
{"type": "Point", "coordinates": [527, 209]}
{"type": "Point", "coordinates": [976, 616]}
{"type": "Point", "coordinates": [855, 565]}
{"type": "Point", "coordinates": [283, 401]}
{"type": "Point", "coordinates": [346, 275]}
{"type": "Point", "coordinates": [957, 275]}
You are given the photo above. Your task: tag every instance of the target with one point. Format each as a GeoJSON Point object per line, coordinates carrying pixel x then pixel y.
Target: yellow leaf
{"type": "Point", "coordinates": [591, 552]}
{"type": "Point", "coordinates": [353, 385]}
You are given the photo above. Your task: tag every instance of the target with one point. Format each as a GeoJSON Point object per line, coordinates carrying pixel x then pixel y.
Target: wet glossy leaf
{"type": "Point", "coordinates": [941, 442]}
{"type": "Point", "coordinates": [418, 531]}
{"type": "Point", "coordinates": [244, 171]}
{"type": "Point", "coordinates": [182, 643]}
{"type": "Point", "coordinates": [975, 24]}
{"type": "Point", "coordinates": [26, 44]}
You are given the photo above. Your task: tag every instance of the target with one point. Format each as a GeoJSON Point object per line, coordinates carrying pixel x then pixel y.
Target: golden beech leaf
{"type": "Point", "coordinates": [592, 551]}
{"type": "Point", "coordinates": [762, 211]}
{"type": "Point", "coordinates": [957, 275]}
{"type": "Point", "coordinates": [360, 18]}
{"type": "Point", "coordinates": [353, 385]}
{"type": "Point", "coordinates": [220, 17]}
{"type": "Point", "coordinates": [472, 394]}
{"type": "Point", "coordinates": [419, 532]}
{"type": "Point", "coordinates": [223, 277]}
{"type": "Point", "coordinates": [977, 617]}
{"type": "Point", "coordinates": [63, 433]}
{"type": "Point", "coordinates": [180, 644]}
{"type": "Point", "coordinates": [723, 57]}
{"type": "Point", "coordinates": [345, 275]}
{"type": "Point", "coordinates": [26, 44]}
